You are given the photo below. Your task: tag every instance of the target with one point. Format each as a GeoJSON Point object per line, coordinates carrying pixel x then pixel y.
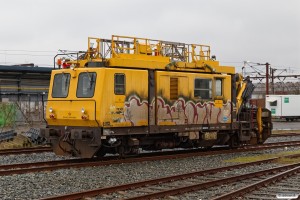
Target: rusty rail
{"type": "Point", "coordinates": [285, 134]}
{"type": "Point", "coordinates": [259, 184]}
{"type": "Point", "coordinates": [180, 190]}
{"type": "Point", "coordinates": [53, 165]}
{"type": "Point", "coordinates": [205, 185]}
{"type": "Point", "coordinates": [25, 150]}
{"type": "Point", "coordinates": [112, 189]}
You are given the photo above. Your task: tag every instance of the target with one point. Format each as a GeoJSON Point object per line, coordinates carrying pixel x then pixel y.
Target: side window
{"type": "Point", "coordinates": [61, 85]}
{"type": "Point", "coordinates": [120, 84]}
{"type": "Point", "coordinates": [86, 84]}
{"type": "Point", "coordinates": [273, 103]}
{"type": "Point", "coordinates": [173, 88]}
{"type": "Point", "coordinates": [219, 87]}
{"type": "Point", "coordinates": [203, 88]}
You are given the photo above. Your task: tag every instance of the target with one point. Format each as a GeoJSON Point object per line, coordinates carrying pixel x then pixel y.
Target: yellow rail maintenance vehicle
{"type": "Point", "coordinates": [127, 94]}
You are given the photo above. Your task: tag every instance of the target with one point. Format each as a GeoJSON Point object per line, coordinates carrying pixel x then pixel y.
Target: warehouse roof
{"type": "Point", "coordinates": [25, 69]}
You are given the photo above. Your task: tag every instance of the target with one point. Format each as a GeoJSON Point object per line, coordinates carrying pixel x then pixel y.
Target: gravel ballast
{"type": "Point", "coordinates": [45, 184]}
{"type": "Point", "coordinates": [30, 158]}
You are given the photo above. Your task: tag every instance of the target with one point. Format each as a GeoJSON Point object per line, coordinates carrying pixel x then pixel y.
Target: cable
{"type": "Point", "coordinates": [29, 50]}
{"type": "Point", "coordinates": [17, 54]}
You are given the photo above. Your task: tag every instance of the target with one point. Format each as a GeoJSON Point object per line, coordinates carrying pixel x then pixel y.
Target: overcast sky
{"type": "Point", "coordinates": [237, 30]}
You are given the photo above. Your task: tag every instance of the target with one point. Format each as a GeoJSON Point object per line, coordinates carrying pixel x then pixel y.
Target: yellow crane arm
{"type": "Point", "coordinates": [244, 90]}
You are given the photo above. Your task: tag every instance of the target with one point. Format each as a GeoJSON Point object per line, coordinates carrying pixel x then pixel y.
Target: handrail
{"type": "Point", "coordinates": [175, 50]}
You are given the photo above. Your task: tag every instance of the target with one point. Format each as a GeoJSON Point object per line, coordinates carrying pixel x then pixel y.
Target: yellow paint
{"type": "Point", "coordinates": [259, 122]}
{"type": "Point", "coordinates": [119, 101]}
{"type": "Point", "coordinates": [122, 124]}
{"type": "Point", "coordinates": [69, 112]}
{"type": "Point", "coordinates": [153, 54]}
{"type": "Point", "coordinates": [133, 60]}
{"type": "Point", "coordinates": [241, 86]}
{"type": "Point", "coordinates": [144, 49]}
{"type": "Point", "coordinates": [23, 88]}
{"type": "Point", "coordinates": [219, 103]}
{"type": "Point", "coordinates": [166, 123]}
{"type": "Point", "coordinates": [104, 107]}
{"type": "Point", "coordinates": [120, 98]}
{"type": "Point", "coordinates": [142, 123]}
{"type": "Point", "coordinates": [187, 82]}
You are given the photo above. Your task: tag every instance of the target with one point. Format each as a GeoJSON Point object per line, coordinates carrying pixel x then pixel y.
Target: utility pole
{"type": "Point", "coordinates": [267, 78]}
{"type": "Point", "coordinates": [267, 74]}
{"type": "Point", "coordinates": [272, 78]}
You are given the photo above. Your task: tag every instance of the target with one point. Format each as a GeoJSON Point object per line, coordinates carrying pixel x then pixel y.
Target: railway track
{"type": "Point", "coordinates": [287, 186]}
{"type": "Point", "coordinates": [110, 160]}
{"type": "Point", "coordinates": [178, 184]}
{"type": "Point", "coordinates": [285, 135]}
{"type": "Point", "coordinates": [281, 174]}
{"type": "Point", "coordinates": [25, 150]}
{"type": "Point", "coordinates": [268, 146]}
{"type": "Point", "coordinates": [77, 163]}
{"type": "Point", "coordinates": [48, 149]}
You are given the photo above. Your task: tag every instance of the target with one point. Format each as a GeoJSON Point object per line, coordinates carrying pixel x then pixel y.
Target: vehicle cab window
{"type": "Point", "coordinates": [86, 84]}
{"type": "Point", "coordinates": [61, 85]}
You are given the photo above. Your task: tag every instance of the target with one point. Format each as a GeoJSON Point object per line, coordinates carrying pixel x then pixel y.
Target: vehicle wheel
{"type": "Point", "coordinates": [207, 148]}
{"type": "Point", "coordinates": [101, 152]}
{"type": "Point", "coordinates": [234, 142]}
{"type": "Point", "coordinates": [287, 119]}
{"type": "Point", "coordinates": [121, 151]}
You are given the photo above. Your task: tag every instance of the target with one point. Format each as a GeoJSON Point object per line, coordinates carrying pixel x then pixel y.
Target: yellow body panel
{"type": "Point", "coordinates": [107, 109]}
{"type": "Point", "coordinates": [104, 108]}
{"type": "Point", "coordinates": [117, 109]}
{"type": "Point", "coordinates": [218, 103]}
{"type": "Point", "coordinates": [177, 66]}
{"type": "Point", "coordinates": [139, 61]}
{"type": "Point", "coordinates": [187, 109]}
{"type": "Point", "coordinates": [68, 111]}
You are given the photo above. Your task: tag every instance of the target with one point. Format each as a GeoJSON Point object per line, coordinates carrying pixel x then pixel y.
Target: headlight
{"type": "Point", "coordinates": [51, 109]}
{"type": "Point", "coordinates": [82, 110]}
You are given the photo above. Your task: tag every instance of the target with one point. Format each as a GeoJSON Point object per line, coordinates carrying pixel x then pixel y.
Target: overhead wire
{"type": "Point", "coordinates": [28, 50]}
{"type": "Point", "coordinates": [20, 54]}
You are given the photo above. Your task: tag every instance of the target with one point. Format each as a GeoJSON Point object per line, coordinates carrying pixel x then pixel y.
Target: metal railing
{"type": "Point", "coordinates": [103, 49]}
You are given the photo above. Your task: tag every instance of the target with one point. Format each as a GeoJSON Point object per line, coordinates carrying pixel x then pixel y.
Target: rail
{"type": "Point", "coordinates": [25, 150]}
{"type": "Point", "coordinates": [166, 189]}
{"type": "Point", "coordinates": [63, 164]}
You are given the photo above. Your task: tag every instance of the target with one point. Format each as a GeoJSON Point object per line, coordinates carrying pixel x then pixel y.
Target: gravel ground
{"type": "Point", "coordinates": [45, 184]}
{"type": "Point", "coordinates": [198, 180]}
{"type": "Point", "coordinates": [219, 190]}
{"type": "Point", "coordinates": [29, 158]}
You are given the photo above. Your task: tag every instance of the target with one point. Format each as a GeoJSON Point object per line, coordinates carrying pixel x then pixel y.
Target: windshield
{"type": "Point", "coordinates": [86, 84]}
{"type": "Point", "coordinates": [61, 85]}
